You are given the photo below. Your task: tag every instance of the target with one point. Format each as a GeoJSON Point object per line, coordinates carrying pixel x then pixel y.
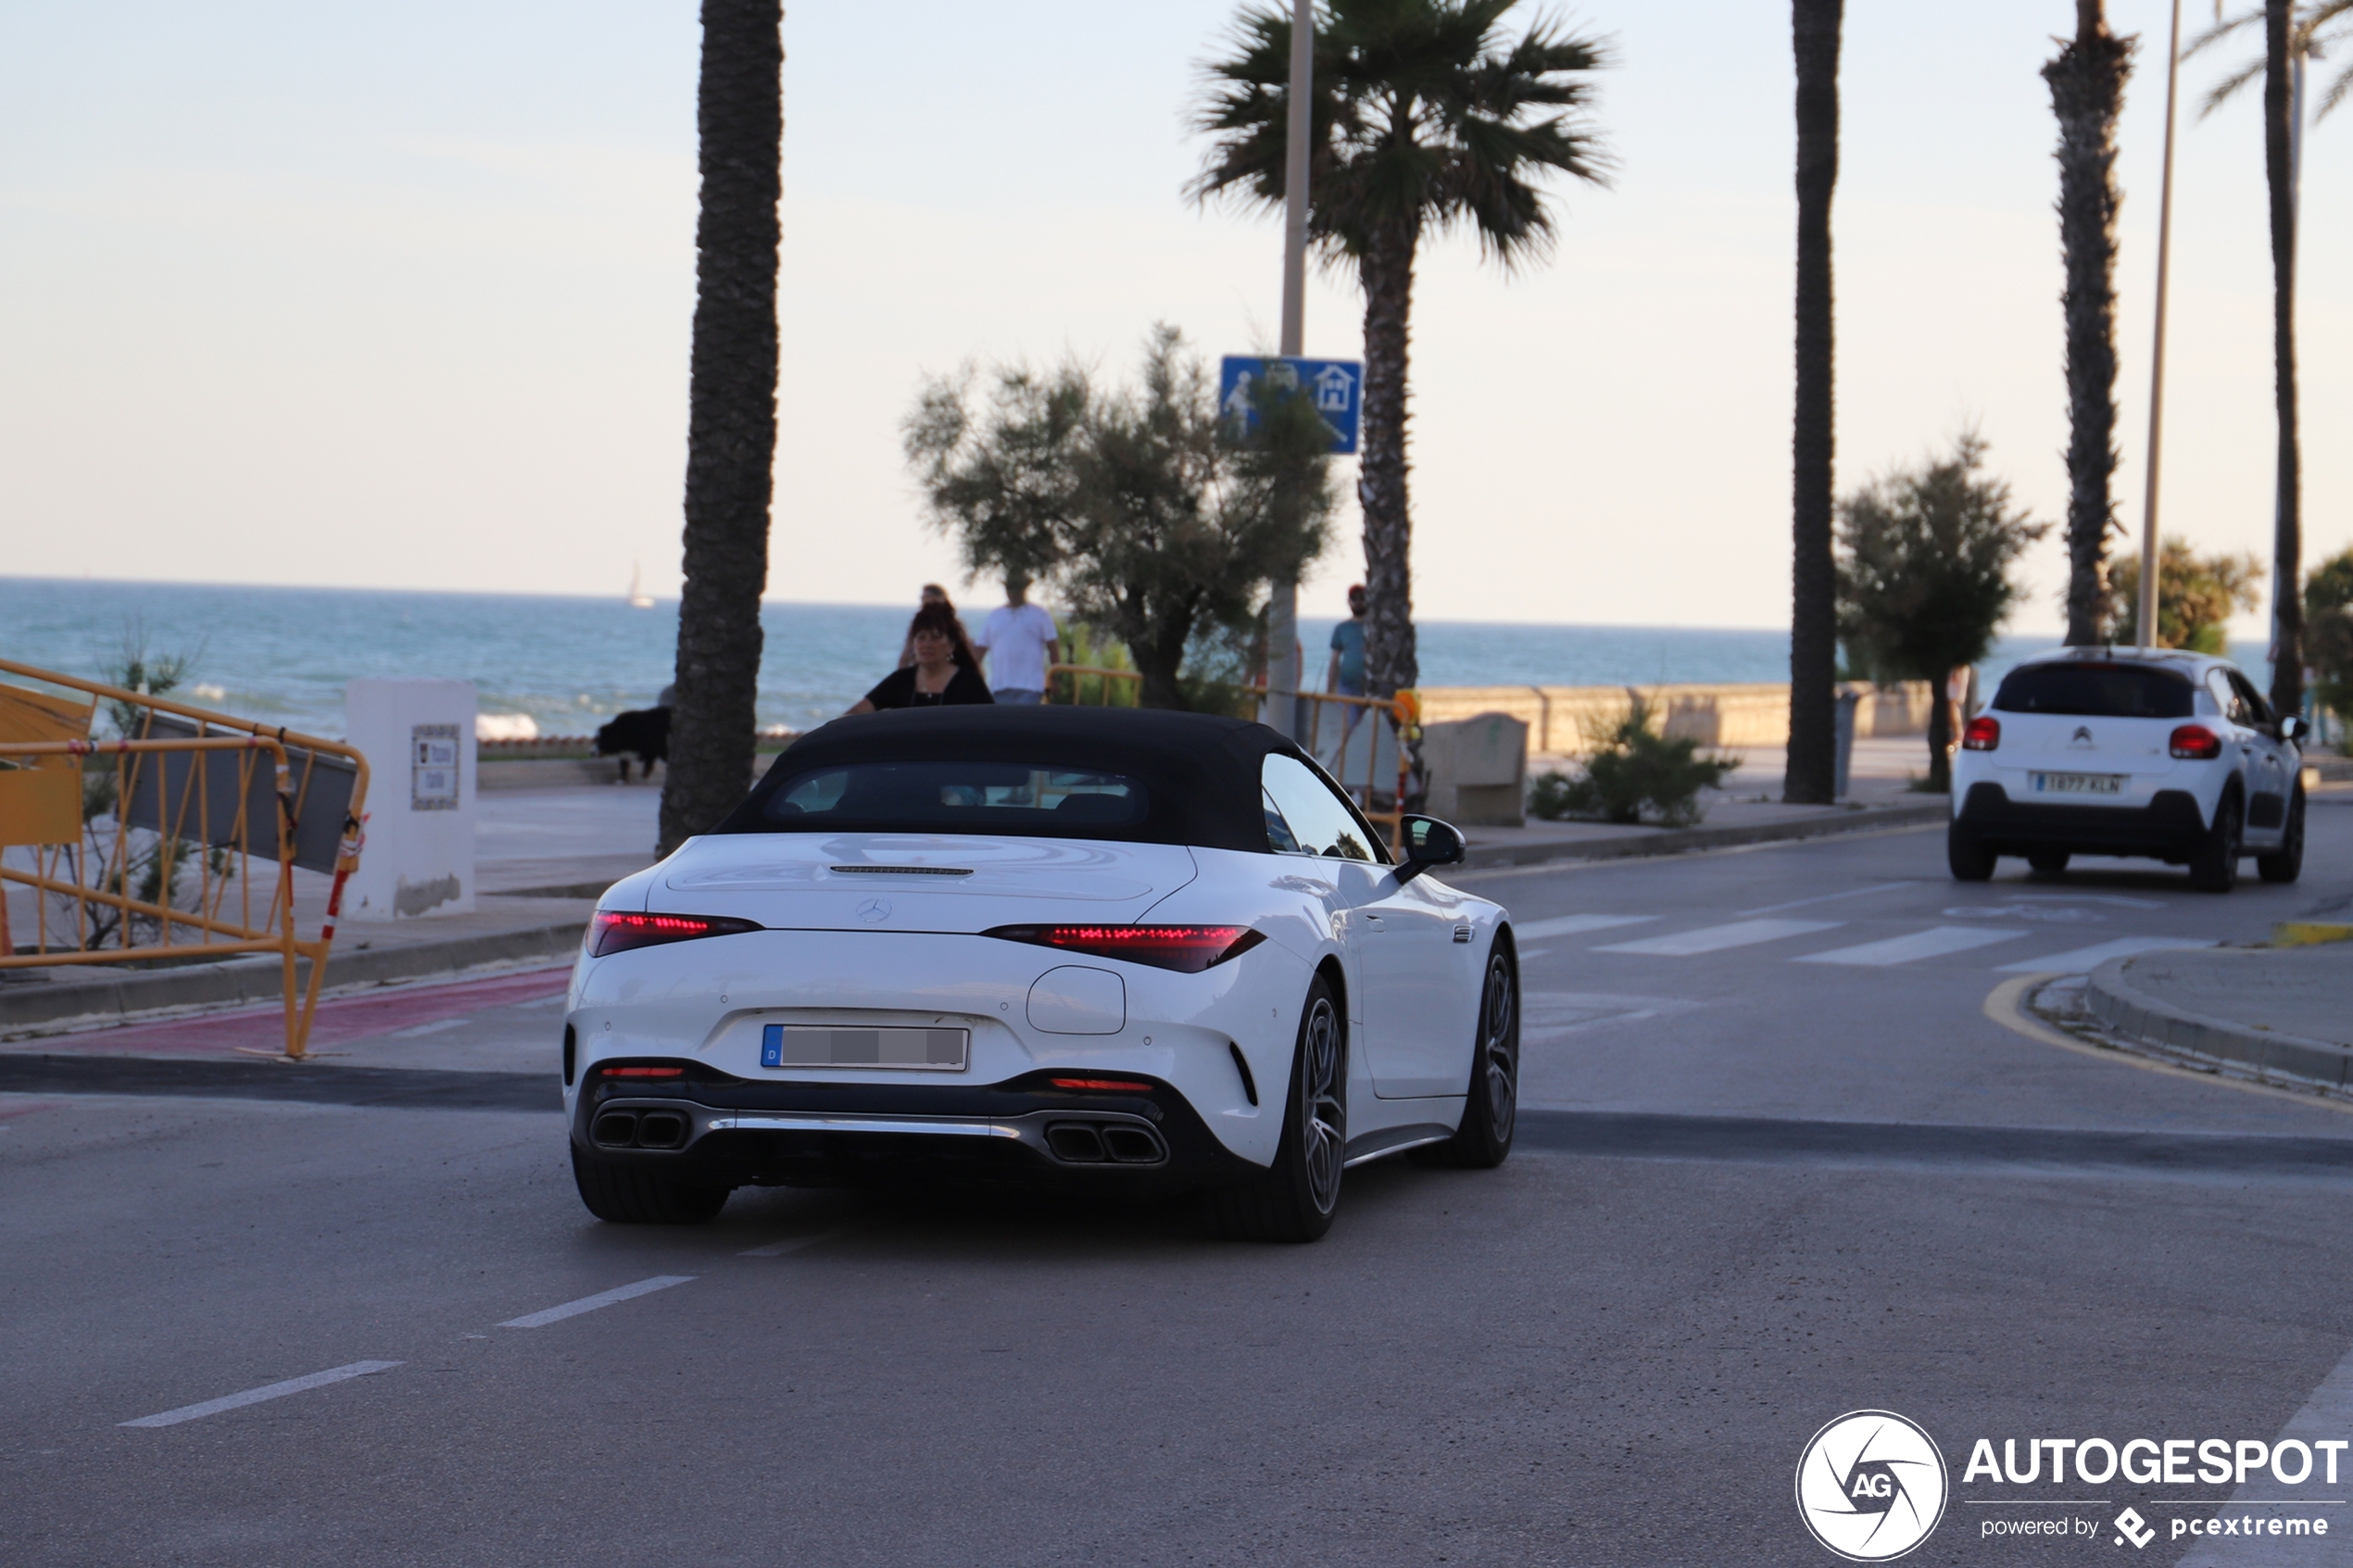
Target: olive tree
{"type": "Point", "coordinates": [1924, 582]}
{"type": "Point", "coordinates": [1150, 514]}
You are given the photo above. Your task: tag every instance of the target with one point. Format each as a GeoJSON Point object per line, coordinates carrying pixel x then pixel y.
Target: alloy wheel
{"type": "Point", "coordinates": [1323, 1109]}
{"type": "Point", "coordinates": [1496, 1054]}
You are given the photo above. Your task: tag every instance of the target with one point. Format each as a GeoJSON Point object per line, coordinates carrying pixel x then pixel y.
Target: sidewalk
{"type": "Point", "coordinates": [1747, 809]}
{"type": "Point", "coordinates": [2284, 1013]}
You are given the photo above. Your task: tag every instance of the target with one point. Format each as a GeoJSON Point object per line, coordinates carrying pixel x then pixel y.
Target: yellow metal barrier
{"type": "Point", "coordinates": [115, 823]}
{"type": "Point", "coordinates": [1349, 754]}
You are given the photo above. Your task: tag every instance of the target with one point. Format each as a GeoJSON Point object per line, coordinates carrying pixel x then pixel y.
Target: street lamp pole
{"type": "Point", "coordinates": [1282, 600]}
{"type": "Point", "coordinates": [2146, 620]}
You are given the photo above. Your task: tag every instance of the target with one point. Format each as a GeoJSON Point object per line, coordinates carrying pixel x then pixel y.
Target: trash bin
{"type": "Point", "coordinates": [1848, 703]}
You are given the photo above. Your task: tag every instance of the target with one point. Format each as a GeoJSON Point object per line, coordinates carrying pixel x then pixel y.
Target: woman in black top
{"type": "Point", "coordinates": [944, 671]}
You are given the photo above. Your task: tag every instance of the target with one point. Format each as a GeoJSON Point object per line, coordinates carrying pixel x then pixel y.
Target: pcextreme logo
{"type": "Point", "coordinates": [1871, 1486]}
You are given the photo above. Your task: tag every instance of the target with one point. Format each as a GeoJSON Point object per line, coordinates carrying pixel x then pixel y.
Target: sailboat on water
{"type": "Point", "coordinates": [638, 597]}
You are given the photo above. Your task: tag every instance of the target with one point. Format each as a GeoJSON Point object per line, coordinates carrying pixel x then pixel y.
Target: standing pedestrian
{"type": "Point", "coordinates": [933, 594]}
{"type": "Point", "coordinates": [944, 673]}
{"type": "Point", "coordinates": [1346, 675]}
{"type": "Point", "coordinates": [1019, 639]}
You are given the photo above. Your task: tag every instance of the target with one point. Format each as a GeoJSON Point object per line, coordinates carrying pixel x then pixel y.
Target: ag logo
{"type": "Point", "coordinates": [1871, 1486]}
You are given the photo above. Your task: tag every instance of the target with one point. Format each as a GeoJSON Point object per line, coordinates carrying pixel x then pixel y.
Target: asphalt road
{"type": "Point", "coordinates": [1770, 1174]}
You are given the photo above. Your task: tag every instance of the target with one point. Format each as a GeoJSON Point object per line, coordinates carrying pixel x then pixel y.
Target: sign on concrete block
{"type": "Point", "coordinates": [1337, 386]}
{"type": "Point", "coordinates": [420, 858]}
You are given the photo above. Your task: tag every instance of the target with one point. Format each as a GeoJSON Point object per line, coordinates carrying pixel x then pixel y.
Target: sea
{"type": "Point", "coordinates": [281, 655]}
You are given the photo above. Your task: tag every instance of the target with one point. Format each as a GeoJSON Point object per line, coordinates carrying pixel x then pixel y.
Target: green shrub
{"type": "Point", "coordinates": [1632, 772]}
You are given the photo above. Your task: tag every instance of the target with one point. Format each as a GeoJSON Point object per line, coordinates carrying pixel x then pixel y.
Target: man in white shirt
{"type": "Point", "coordinates": [1019, 640]}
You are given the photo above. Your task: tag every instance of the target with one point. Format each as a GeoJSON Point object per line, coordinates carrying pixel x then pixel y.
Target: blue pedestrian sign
{"type": "Point", "coordinates": [1337, 386]}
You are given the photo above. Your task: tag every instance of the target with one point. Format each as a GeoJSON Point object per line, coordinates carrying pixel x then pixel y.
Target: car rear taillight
{"type": "Point", "coordinates": [1983, 734]}
{"type": "Point", "coordinates": [617, 931]}
{"type": "Point", "coordinates": [2195, 742]}
{"type": "Point", "coordinates": [1186, 949]}
{"type": "Point", "coordinates": [1102, 1085]}
{"type": "Point", "coordinates": [644, 1072]}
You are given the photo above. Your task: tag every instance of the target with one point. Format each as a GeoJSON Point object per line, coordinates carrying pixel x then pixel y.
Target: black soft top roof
{"type": "Point", "coordinates": [1200, 773]}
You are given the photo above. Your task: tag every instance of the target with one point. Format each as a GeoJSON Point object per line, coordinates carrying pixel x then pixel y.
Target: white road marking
{"type": "Point", "coordinates": [1569, 925]}
{"type": "Point", "coordinates": [2324, 1415]}
{"type": "Point", "coordinates": [2082, 960]}
{"type": "Point", "coordinates": [1936, 941]}
{"type": "Point", "coordinates": [269, 1391]}
{"type": "Point", "coordinates": [1826, 898]}
{"type": "Point", "coordinates": [792, 1244]}
{"type": "Point", "coordinates": [1554, 1015]}
{"type": "Point", "coordinates": [427, 1029]}
{"type": "Point", "coordinates": [1716, 938]}
{"type": "Point", "coordinates": [602, 1299]}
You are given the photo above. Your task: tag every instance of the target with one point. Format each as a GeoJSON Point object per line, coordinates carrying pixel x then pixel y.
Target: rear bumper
{"type": "Point", "coordinates": [719, 1131]}
{"type": "Point", "coordinates": [2168, 828]}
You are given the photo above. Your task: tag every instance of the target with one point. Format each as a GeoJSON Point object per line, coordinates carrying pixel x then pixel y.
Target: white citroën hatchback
{"type": "Point", "coordinates": [1124, 950]}
{"type": "Point", "coordinates": [2157, 753]}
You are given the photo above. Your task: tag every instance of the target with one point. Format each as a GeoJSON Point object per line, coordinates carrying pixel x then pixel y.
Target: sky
{"type": "Point", "coordinates": [400, 297]}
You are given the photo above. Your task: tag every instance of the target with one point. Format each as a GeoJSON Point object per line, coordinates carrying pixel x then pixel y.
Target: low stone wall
{"type": "Point", "coordinates": [1570, 719]}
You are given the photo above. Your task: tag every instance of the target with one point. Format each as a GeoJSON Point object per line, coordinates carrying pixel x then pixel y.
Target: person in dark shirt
{"type": "Point", "coordinates": [944, 671]}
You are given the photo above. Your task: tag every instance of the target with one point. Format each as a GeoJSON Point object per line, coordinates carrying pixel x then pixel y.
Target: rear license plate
{"type": "Point", "coordinates": [2079, 784]}
{"type": "Point", "coordinates": [799, 1045]}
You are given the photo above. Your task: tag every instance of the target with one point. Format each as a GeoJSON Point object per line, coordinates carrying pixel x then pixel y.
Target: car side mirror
{"type": "Point", "coordinates": [1429, 841]}
{"type": "Point", "coordinates": [2293, 729]}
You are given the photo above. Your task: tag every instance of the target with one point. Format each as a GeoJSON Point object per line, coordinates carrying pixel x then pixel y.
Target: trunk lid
{"type": "Point", "coordinates": [917, 882]}
{"type": "Point", "coordinates": [2086, 744]}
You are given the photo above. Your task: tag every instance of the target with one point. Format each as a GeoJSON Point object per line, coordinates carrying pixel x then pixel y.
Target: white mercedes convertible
{"type": "Point", "coordinates": [1134, 950]}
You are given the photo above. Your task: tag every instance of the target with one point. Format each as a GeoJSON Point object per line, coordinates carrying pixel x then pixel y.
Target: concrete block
{"type": "Point", "coordinates": [418, 739]}
{"type": "Point", "coordinates": [1478, 770]}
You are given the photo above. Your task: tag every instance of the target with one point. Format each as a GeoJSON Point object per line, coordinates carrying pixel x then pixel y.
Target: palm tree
{"type": "Point", "coordinates": [731, 422]}
{"type": "Point", "coordinates": [2287, 543]}
{"type": "Point", "coordinates": [2087, 92]}
{"type": "Point", "coordinates": [1426, 118]}
{"type": "Point", "coordinates": [2287, 38]}
{"type": "Point", "coordinates": [1811, 777]}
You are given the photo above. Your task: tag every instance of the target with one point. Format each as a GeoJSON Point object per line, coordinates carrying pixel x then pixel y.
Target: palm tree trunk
{"type": "Point", "coordinates": [2287, 651]}
{"type": "Point", "coordinates": [1391, 661]}
{"type": "Point", "coordinates": [731, 426]}
{"type": "Point", "coordinates": [2087, 92]}
{"type": "Point", "coordinates": [1810, 777]}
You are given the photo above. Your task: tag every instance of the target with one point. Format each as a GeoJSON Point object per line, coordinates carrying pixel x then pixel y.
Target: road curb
{"type": "Point", "coordinates": [1686, 841]}
{"type": "Point", "coordinates": [119, 996]}
{"type": "Point", "coordinates": [2116, 1001]}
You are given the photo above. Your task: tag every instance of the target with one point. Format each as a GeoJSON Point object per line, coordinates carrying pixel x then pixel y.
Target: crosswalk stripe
{"type": "Point", "coordinates": [2082, 960]}
{"type": "Point", "coordinates": [1934, 942]}
{"type": "Point", "coordinates": [1569, 925]}
{"type": "Point", "coordinates": [1716, 938]}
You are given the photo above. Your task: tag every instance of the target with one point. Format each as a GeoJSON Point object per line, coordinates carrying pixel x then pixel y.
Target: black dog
{"type": "Point", "coordinates": [644, 733]}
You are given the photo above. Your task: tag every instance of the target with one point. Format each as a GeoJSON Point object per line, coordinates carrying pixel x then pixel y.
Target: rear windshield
{"type": "Point", "coordinates": [2103, 691]}
{"type": "Point", "coordinates": [984, 798]}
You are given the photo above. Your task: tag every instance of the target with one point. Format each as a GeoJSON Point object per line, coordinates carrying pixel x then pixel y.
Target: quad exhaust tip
{"type": "Point", "coordinates": [630, 1129]}
{"type": "Point", "coordinates": [1104, 1142]}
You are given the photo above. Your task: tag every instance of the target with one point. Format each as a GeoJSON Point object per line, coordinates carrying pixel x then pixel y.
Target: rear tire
{"type": "Point", "coordinates": [1491, 1110]}
{"type": "Point", "coordinates": [2215, 866]}
{"type": "Point", "coordinates": [2286, 862]}
{"type": "Point", "coordinates": [2049, 862]}
{"type": "Point", "coordinates": [1970, 861]}
{"type": "Point", "coordinates": [624, 1197]}
{"type": "Point", "coordinates": [1296, 1198]}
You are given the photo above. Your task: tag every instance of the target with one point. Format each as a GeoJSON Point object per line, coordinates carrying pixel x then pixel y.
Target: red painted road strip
{"type": "Point", "coordinates": [339, 1019]}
